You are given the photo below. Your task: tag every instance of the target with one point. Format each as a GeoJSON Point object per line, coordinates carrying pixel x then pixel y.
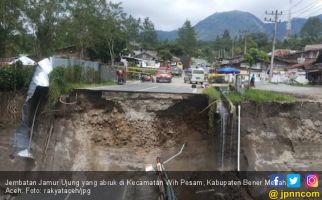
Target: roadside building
{"type": "Point", "coordinates": [146, 55]}
{"type": "Point", "coordinates": [314, 72]}
{"type": "Point", "coordinates": [232, 62]}
{"type": "Point", "coordinates": [259, 68]}
{"type": "Point", "coordinates": [313, 47]}
{"type": "Point", "coordinates": [143, 58]}
{"type": "Point", "coordinates": [293, 67]}
{"type": "Point", "coordinates": [68, 52]}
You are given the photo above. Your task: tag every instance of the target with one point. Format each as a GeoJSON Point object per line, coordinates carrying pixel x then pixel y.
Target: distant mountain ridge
{"type": "Point", "coordinates": [234, 21]}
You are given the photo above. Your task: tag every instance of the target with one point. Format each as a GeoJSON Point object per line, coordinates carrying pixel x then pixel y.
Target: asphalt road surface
{"type": "Point", "coordinates": [177, 86]}
{"type": "Point", "coordinates": [312, 92]}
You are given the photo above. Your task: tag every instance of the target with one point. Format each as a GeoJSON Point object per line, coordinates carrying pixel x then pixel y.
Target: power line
{"type": "Point", "coordinates": [276, 20]}
{"type": "Point", "coordinates": [298, 3]}
{"type": "Point", "coordinates": [289, 21]}
{"type": "Point", "coordinates": [307, 8]}
{"type": "Point", "coordinates": [316, 11]}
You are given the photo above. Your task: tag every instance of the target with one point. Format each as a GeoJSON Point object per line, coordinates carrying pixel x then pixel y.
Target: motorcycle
{"type": "Point", "coordinates": [120, 77]}
{"type": "Point", "coordinates": [147, 78]}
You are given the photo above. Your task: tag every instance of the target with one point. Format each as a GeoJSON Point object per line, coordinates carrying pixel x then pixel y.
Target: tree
{"type": "Point", "coordinates": [83, 23]}
{"type": "Point", "coordinates": [165, 54]}
{"type": "Point", "coordinates": [260, 39]}
{"type": "Point", "coordinates": [148, 35]}
{"type": "Point", "coordinates": [171, 47]}
{"type": "Point", "coordinates": [112, 31]}
{"type": "Point", "coordinates": [254, 55]}
{"type": "Point", "coordinates": [43, 17]}
{"type": "Point", "coordinates": [312, 28]}
{"type": "Point", "coordinates": [187, 39]}
{"type": "Point", "coordinates": [207, 53]}
{"type": "Point", "coordinates": [10, 25]}
{"type": "Point", "coordinates": [98, 28]}
{"type": "Point", "coordinates": [132, 29]}
{"type": "Point", "coordinates": [226, 34]}
{"type": "Point", "coordinates": [108, 37]}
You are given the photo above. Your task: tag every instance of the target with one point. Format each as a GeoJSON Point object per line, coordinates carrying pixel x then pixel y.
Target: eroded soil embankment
{"type": "Point", "coordinates": [10, 114]}
{"type": "Point", "coordinates": [281, 136]}
{"type": "Point", "coordinates": [123, 131]}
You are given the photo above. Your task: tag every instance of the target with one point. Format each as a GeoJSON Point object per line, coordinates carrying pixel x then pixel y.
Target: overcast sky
{"type": "Point", "coordinates": [171, 14]}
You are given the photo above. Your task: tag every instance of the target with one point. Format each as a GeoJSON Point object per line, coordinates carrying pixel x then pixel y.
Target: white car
{"type": "Point", "coordinates": [197, 76]}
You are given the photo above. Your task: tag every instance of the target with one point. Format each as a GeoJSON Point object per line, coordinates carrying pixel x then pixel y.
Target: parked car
{"type": "Point", "coordinates": [187, 76]}
{"type": "Point", "coordinates": [197, 75]}
{"type": "Point", "coordinates": [163, 75]}
{"type": "Point", "coordinates": [176, 71]}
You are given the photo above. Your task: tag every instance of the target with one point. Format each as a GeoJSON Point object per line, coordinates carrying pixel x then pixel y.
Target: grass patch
{"type": "Point", "coordinates": [267, 96]}
{"type": "Point", "coordinates": [234, 97]}
{"type": "Point", "coordinates": [212, 93]}
{"type": "Point", "coordinates": [259, 96]}
{"type": "Point", "coordinates": [213, 96]}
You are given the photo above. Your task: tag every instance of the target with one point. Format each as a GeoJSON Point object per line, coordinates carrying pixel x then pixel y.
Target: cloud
{"type": "Point", "coordinates": [171, 14]}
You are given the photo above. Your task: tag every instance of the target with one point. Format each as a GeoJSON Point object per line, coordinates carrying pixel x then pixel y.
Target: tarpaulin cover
{"type": "Point", "coordinates": [228, 70]}
{"type": "Point", "coordinates": [40, 79]}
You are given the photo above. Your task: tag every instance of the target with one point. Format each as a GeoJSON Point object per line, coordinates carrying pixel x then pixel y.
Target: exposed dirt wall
{"type": "Point", "coordinates": [10, 115]}
{"type": "Point", "coordinates": [281, 136]}
{"type": "Point", "coordinates": [109, 131]}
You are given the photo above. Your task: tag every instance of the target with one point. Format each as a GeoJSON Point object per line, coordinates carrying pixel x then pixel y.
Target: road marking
{"type": "Point", "coordinates": [194, 90]}
{"type": "Point", "coordinates": [148, 88]}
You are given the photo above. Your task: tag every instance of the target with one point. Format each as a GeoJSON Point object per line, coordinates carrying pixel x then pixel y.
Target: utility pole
{"type": "Point", "coordinates": [276, 20]}
{"type": "Point", "coordinates": [232, 48]}
{"type": "Point", "coordinates": [245, 45]}
{"type": "Point", "coordinates": [289, 22]}
{"type": "Point", "coordinates": [244, 33]}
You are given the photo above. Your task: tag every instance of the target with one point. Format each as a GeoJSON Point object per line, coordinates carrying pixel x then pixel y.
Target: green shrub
{"type": "Point", "coordinates": [212, 93]}
{"type": "Point", "coordinates": [15, 77]}
{"type": "Point", "coordinates": [63, 80]}
{"type": "Point", "coordinates": [234, 97]}
{"type": "Point", "coordinates": [90, 75]}
{"type": "Point", "coordinates": [213, 96]}
{"type": "Point", "coordinates": [78, 72]}
{"type": "Point", "coordinates": [74, 73]}
{"type": "Point", "coordinates": [58, 84]}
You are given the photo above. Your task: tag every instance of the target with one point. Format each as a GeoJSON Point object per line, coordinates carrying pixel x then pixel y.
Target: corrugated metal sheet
{"type": "Point", "coordinates": [73, 61]}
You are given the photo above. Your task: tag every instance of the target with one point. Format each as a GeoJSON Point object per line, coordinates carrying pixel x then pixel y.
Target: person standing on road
{"type": "Point", "coordinates": [252, 81]}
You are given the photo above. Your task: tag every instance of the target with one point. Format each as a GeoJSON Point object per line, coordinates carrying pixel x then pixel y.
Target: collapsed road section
{"type": "Point", "coordinates": [124, 131]}
{"type": "Point", "coordinates": [121, 131]}
{"type": "Point", "coordinates": [127, 131]}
